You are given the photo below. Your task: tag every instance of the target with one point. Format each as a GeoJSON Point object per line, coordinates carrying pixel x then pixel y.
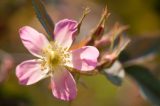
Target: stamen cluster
{"type": "Point", "coordinates": [55, 56]}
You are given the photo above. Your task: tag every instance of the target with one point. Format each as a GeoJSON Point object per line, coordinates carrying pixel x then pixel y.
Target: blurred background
{"type": "Point", "coordinates": [142, 17]}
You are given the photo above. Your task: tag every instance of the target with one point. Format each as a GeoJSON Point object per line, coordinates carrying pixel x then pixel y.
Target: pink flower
{"type": "Point", "coordinates": [54, 59]}
{"type": "Point", "coordinates": [7, 63]}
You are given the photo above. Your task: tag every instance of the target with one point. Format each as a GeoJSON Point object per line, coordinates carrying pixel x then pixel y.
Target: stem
{"type": "Point", "coordinates": [85, 13]}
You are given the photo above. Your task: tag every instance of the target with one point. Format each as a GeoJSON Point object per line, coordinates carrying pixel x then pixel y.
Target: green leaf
{"type": "Point", "coordinates": [115, 73]}
{"type": "Point", "coordinates": [143, 45]}
{"type": "Point", "coordinates": [148, 84]}
{"type": "Point", "coordinates": [43, 16]}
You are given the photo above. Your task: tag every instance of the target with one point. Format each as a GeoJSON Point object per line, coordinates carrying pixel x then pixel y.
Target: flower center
{"type": "Point", "coordinates": [54, 56]}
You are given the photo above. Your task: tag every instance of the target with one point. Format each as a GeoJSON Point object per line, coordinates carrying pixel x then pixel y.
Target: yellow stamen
{"type": "Point", "coordinates": [54, 56]}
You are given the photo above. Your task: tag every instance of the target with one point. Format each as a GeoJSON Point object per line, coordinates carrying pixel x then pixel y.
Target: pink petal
{"type": "Point", "coordinates": [63, 85]}
{"type": "Point", "coordinates": [65, 31]}
{"type": "Point", "coordinates": [29, 72]}
{"type": "Point", "coordinates": [33, 40]}
{"type": "Point", "coordinates": [7, 63]}
{"type": "Point", "coordinates": [85, 58]}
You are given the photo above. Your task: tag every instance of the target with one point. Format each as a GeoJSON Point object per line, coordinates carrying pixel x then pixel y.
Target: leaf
{"type": "Point", "coordinates": [43, 16]}
{"type": "Point", "coordinates": [115, 73]}
{"type": "Point", "coordinates": [143, 45]}
{"type": "Point", "coordinates": [148, 84]}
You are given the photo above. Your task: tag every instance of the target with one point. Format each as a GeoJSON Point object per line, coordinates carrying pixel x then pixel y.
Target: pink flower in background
{"type": "Point", "coordinates": [7, 63]}
{"type": "Point", "coordinates": [54, 58]}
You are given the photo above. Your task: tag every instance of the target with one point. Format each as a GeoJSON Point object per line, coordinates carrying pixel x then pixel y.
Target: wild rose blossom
{"type": "Point", "coordinates": [54, 57]}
